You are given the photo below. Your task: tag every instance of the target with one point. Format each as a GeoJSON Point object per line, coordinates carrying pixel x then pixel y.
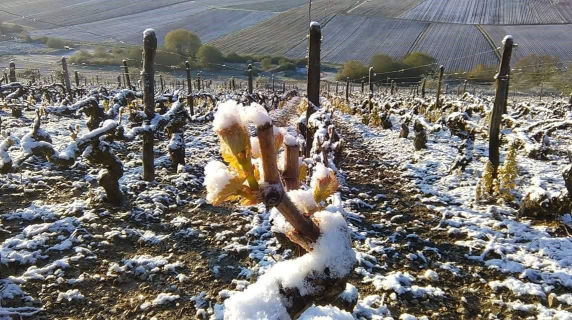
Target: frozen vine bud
{"type": "Point", "coordinates": [235, 148]}
{"type": "Point", "coordinates": [223, 184]}
{"type": "Point", "coordinates": [255, 147]}
{"type": "Point", "coordinates": [279, 134]}
{"type": "Point", "coordinates": [324, 183]}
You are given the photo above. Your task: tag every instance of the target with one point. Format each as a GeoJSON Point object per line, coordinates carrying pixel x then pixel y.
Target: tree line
{"type": "Point", "coordinates": [179, 46]}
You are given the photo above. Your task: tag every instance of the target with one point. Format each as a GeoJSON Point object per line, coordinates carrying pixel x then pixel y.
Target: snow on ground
{"type": "Point", "coordinates": [492, 233]}
{"type": "Point", "coordinates": [170, 250]}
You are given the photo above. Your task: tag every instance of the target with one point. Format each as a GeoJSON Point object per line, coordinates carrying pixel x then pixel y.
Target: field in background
{"type": "Point", "coordinates": [352, 30]}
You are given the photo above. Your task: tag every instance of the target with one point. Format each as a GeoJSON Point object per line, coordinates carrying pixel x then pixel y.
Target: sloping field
{"type": "Point", "coordinates": [278, 35]}
{"type": "Point", "coordinates": [386, 8]}
{"type": "Point", "coordinates": [270, 5]}
{"type": "Point", "coordinates": [208, 24]}
{"type": "Point", "coordinates": [352, 29]}
{"type": "Point", "coordinates": [492, 11]}
{"type": "Point", "coordinates": [215, 23]}
{"type": "Point", "coordinates": [554, 40]}
{"type": "Point", "coordinates": [457, 47]}
{"type": "Point", "coordinates": [358, 38]}
{"type": "Point", "coordinates": [72, 12]}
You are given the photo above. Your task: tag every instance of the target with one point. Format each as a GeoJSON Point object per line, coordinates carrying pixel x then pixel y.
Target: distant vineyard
{"type": "Point", "coordinates": [270, 5]}
{"type": "Point", "coordinates": [388, 9]}
{"type": "Point", "coordinates": [279, 34]}
{"type": "Point", "coordinates": [389, 36]}
{"type": "Point", "coordinates": [186, 15]}
{"type": "Point", "coordinates": [492, 11]}
{"type": "Point", "coordinates": [542, 40]}
{"type": "Point", "coordinates": [215, 23]}
{"type": "Point", "coordinates": [73, 12]}
{"type": "Point", "coordinates": [449, 43]}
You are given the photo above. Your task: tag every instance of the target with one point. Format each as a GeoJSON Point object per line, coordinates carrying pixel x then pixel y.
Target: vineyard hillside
{"type": "Point", "coordinates": [356, 29]}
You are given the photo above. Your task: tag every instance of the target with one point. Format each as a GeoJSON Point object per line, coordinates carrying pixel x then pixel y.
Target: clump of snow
{"type": "Point", "coordinates": [151, 238]}
{"type": "Point", "coordinates": [431, 275]}
{"type": "Point", "coordinates": [371, 307]}
{"type": "Point", "coordinates": [163, 298]}
{"type": "Point", "coordinates": [290, 140]}
{"type": "Point", "coordinates": [143, 265]}
{"type": "Point", "coordinates": [279, 223]}
{"type": "Point", "coordinates": [333, 250]}
{"type": "Point", "coordinates": [180, 221]}
{"type": "Point", "coordinates": [10, 290]}
{"type": "Point", "coordinates": [350, 293]}
{"type": "Point", "coordinates": [518, 287]}
{"type": "Point", "coordinates": [396, 281]}
{"type": "Point", "coordinates": [217, 176]}
{"type": "Point", "coordinates": [149, 32]}
{"type": "Point", "coordinates": [228, 114]}
{"type": "Point", "coordinates": [303, 199]}
{"type": "Point", "coordinates": [70, 295]}
{"type": "Point", "coordinates": [325, 313]}
{"type": "Point", "coordinates": [507, 37]}
{"type": "Point", "coordinates": [256, 114]}
{"type": "Point", "coordinates": [320, 172]}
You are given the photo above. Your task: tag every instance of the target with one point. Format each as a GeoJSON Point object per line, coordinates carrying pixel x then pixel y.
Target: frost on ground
{"type": "Point", "coordinates": [425, 248]}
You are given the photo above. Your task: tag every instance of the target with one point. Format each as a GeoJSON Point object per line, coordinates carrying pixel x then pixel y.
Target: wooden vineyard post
{"type": "Point", "coordinates": [362, 86]}
{"type": "Point", "coordinates": [66, 76]}
{"type": "Point", "coordinates": [423, 88]}
{"type": "Point", "coordinates": [119, 82]}
{"type": "Point", "coordinates": [273, 83]}
{"type": "Point", "coordinates": [387, 85]}
{"type": "Point", "coordinates": [313, 82]}
{"type": "Point", "coordinates": [500, 100]}
{"type": "Point", "coordinates": [438, 102]}
{"type": "Point", "coordinates": [162, 83]}
{"type": "Point", "coordinates": [149, 49]}
{"type": "Point", "coordinates": [291, 164]}
{"type": "Point", "coordinates": [504, 111]}
{"type": "Point", "coordinates": [189, 88]}
{"type": "Point", "coordinates": [233, 82]}
{"type": "Point", "coordinates": [393, 87]}
{"type": "Point", "coordinates": [348, 90]}
{"type": "Point", "coordinates": [12, 72]}
{"type": "Point", "coordinates": [249, 71]}
{"type": "Point", "coordinates": [127, 78]}
{"type": "Point", "coordinates": [198, 81]}
{"type": "Point", "coordinates": [337, 85]}
{"type": "Point", "coordinates": [283, 87]}
{"type": "Point", "coordinates": [371, 72]}
{"type": "Point", "coordinates": [76, 75]}
{"type": "Point", "coordinates": [465, 86]}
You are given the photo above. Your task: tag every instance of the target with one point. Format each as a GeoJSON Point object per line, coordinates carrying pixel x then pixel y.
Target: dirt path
{"type": "Point", "coordinates": [401, 237]}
